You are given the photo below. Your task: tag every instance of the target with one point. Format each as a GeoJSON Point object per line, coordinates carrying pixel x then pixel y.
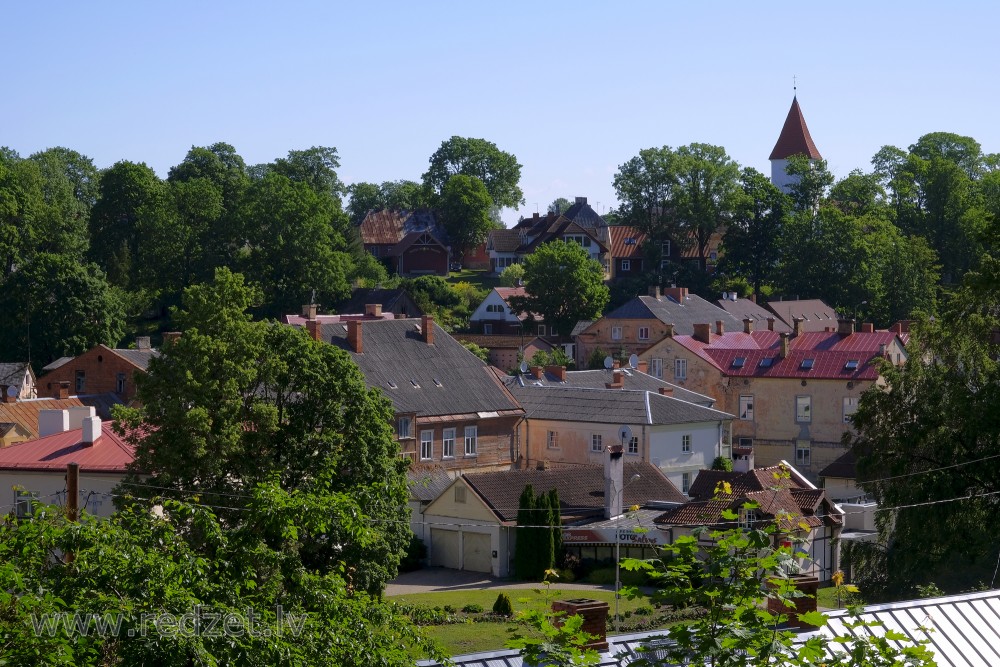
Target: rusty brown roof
{"type": "Point", "coordinates": [626, 242]}
{"type": "Point", "coordinates": [794, 138]}
{"type": "Point", "coordinates": [25, 413]}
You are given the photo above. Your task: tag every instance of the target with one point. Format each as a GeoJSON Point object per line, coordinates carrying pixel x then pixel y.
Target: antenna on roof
{"type": "Point", "coordinates": [794, 85]}
{"type": "Point", "coordinates": [633, 361]}
{"type": "Point", "coordinates": [608, 362]}
{"type": "Point", "coordinates": [524, 366]}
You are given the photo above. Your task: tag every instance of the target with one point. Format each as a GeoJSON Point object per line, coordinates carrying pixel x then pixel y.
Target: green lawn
{"type": "Point", "coordinates": [471, 637]}
{"type": "Point", "coordinates": [483, 280]}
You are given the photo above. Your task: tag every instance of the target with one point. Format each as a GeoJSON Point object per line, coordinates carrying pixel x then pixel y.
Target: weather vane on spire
{"type": "Point", "coordinates": [794, 85]}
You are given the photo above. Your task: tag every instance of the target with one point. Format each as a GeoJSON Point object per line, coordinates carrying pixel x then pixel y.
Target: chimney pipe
{"type": "Point", "coordinates": [427, 327]}
{"type": "Point", "coordinates": [614, 480]}
{"type": "Point", "coordinates": [642, 366]}
{"type": "Point", "coordinates": [63, 390]}
{"type": "Point", "coordinates": [703, 333]}
{"type": "Point", "coordinates": [373, 310]}
{"type": "Point", "coordinates": [538, 372]}
{"type": "Point", "coordinates": [747, 325]}
{"type": "Point", "coordinates": [170, 337]}
{"type": "Point", "coordinates": [798, 322]}
{"type": "Point", "coordinates": [770, 324]}
{"type": "Point", "coordinates": [316, 332]}
{"type": "Point", "coordinates": [654, 291]}
{"type": "Point", "coordinates": [667, 391]}
{"type": "Point", "coordinates": [142, 343]}
{"type": "Point", "coordinates": [309, 311]}
{"type": "Point", "coordinates": [91, 431]}
{"type": "Point", "coordinates": [845, 327]}
{"type": "Point", "coordinates": [719, 328]}
{"type": "Point", "coordinates": [784, 345]}
{"type": "Point", "coordinates": [51, 422]}
{"type": "Point", "coordinates": [669, 330]}
{"type": "Point", "coordinates": [558, 371]}
{"type": "Point", "coordinates": [355, 338]}
{"type": "Point", "coordinates": [595, 619]}
{"type": "Point", "coordinates": [867, 327]}
{"type": "Point", "coordinates": [617, 380]}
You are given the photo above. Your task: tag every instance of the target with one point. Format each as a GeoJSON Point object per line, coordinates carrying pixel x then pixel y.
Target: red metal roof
{"type": "Point", "coordinates": [794, 138]}
{"type": "Point", "coordinates": [108, 454]}
{"type": "Point", "coordinates": [626, 242]}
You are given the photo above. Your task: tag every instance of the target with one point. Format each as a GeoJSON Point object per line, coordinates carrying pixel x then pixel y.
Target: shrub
{"type": "Point", "coordinates": [450, 609]}
{"type": "Point", "coordinates": [503, 606]}
{"type": "Point", "coordinates": [473, 608]}
{"type": "Point", "coordinates": [722, 463]}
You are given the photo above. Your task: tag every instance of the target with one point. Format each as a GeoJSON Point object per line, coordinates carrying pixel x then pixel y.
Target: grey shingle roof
{"type": "Point", "coordinates": [745, 308]}
{"type": "Point", "coordinates": [817, 315]}
{"type": "Point", "coordinates": [61, 361]}
{"type": "Point", "coordinates": [139, 358]}
{"type": "Point", "coordinates": [603, 406]}
{"type": "Point", "coordinates": [597, 379]}
{"type": "Point", "coordinates": [694, 310]}
{"type": "Point", "coordinates": [580, 487]}
{"type": "Point", "coordinates": [389, 299]}
{"type": "Point", "coordinates": [505, 240]}
{"type": "Point", "coordinates": [580, 327]}
{"type": "Point", "coordinates": [439, 379]}
{"type": "Point", "coordinates": [12, 373]}
{"type": "Point", "coordinates": [427, 482]}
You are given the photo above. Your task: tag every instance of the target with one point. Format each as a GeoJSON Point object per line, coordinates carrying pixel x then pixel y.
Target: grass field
{"type": "Point", "coordinates": [470, 637]}
{"type": "Point", "coordinates": [483, 280]}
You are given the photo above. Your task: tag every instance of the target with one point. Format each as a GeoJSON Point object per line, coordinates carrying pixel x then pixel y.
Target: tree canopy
{"type": "Point", "coordinates": [464, 210]}
{"type": "Point", "coordinates": [564, 285]}
{"type": "Point", "coordinates": [499, 171]}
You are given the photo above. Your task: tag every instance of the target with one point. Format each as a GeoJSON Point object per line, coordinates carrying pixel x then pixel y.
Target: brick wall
{"type": "Point", "coordinates": [100, 368]}
{"type": "Point", "coordinates": [494, 445]}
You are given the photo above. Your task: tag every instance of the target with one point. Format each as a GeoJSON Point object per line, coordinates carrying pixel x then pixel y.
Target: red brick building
{"type": "Point", "coordinates": [99, 370]}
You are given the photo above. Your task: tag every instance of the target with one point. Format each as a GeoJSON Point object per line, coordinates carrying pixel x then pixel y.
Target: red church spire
{"type": "Point", "coordinates": [794, 138]}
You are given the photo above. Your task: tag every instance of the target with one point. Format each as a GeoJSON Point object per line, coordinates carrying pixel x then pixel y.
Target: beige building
{"type": "Point", "coordinates": [793, 395]}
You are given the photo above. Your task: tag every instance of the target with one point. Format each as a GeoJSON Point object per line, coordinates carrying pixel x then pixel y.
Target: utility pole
{"type": "Point", "coordinates": [72, 497]}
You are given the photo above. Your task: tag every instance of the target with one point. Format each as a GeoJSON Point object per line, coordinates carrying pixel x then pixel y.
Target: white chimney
{"type": "Point", "coordinates": [91, 430]}
{"type": "Point", "coordinates": [51, 422]}
{"type": "Point", "coordinates": [78, 414]}
{"type": "Point", "coordinates": [614, 479]}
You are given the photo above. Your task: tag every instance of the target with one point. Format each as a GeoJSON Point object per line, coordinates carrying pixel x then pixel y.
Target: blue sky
{"type": "Point", "coordinates": [573, 89]}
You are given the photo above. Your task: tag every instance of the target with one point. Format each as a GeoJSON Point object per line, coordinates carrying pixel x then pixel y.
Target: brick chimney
{"type": "Point", "coordinates": [63, 390]}
{"type": "Point", "coordinates": [558, 371]}
{"type": "Point", "coordinates": [538, 372]}
{"type": "Point", "coordinates": [678, 294]}
{"type": "Point", "coordinates": [617, 380]}
{"type": "Point", "coordinates": [666, 391]}
{"type": "Point", "coordinates": [669, 330]}
{"type": "Point", "coordinates": [595, 619]}
{"type": "Point", "coordinates": [642, 366]}
{"type": "Point", "coordinates": [427, 328]}
{"type": "Point", "coordinates": [354, 336]}
{"type": "Point", "coordinates": [808, 586]}
{"type": "Point", "coordinates": [784, 345]}
{"type": "Point", "coordinates": [770, 324]}
{"type": "Point", "coordinates": [753, 297]}
{"type": "Point", "coordinates": [747, 325]}
{"type": "Point", "coordinates": [867, 327]}
{"type": "Point", "coordinates": [91, 431]}
{"type": "Point", "coordinates": [845, 327]}
{"type": "Point", "coordinates": [654, 291]}
{"type": "Point", "coordinates": [171, 337]}
{"type": "Point", "coordinates": [703, 333]}
{"type": "Point", "coordinates": [614, 479]}
{"type": "Point", "coordinates": [316, 331]}
{"type": "Point", "coordinates": [142, 343]}
{"type": "Point", "coordinates": [798, 322]}
{"type": "Point", "coordinates": [309, 311]}
{"type": "Point", "coordinates": [373, 310]}
{"type": "Point", "coordinates": [719, 328]}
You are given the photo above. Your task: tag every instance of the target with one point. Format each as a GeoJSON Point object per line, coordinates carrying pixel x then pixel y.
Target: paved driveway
{"type": "Point", "coordinates": [431, 579]}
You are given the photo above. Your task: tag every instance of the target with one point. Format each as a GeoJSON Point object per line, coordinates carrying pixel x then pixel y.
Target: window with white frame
{"type": "Point", "coordinates": [680, 369]}
{"type": "Point", "coordinates": [686, 443]}
{"type": "Point", "coordinates": [541, 329]}
{"type": "Point", "coordinates": [494, 308]}
{"type": "Point", "coordinates": [643, 333]}
{"type": "Point", "coordinates": [685, 482]}
{"type": "Point", "coordinates": [504, 262]}
{"type": "Point", "coordinates": [616, 333]}
{"type": "Point", "coordinates": [746, 407]}
{"type": "Point", "coordinates": [746, 518]}
{"type": "Point", "coordinates": [448, 443]}
{"type": "Point", "coordinates": [471, 438]}
{"type": "Point", "coordinates": [23, 503]}
{"type": "Point", "coordinates": [404, 427]}
{"type": "Point", "coordinates": [633, 445]}
{"type": "Point", "coordinates": [426, 445]}
{"type": "Point", "coordinates": [595, 443]}
{"type": "Point", "coordinates": [665, 248]}
{"type": "Point", "coordinates": [803, 409]}
{"type": "Point", "coordinates": [746, 443]}
{"type": "Point", "coordinates": [656, 368]}
{"type": "Point", "coordinates": [850, 407]}
{"type": "Point", "coordinates": [552, 441]}
{"type": "Point", "coordinates": [802, 453]}
{"type": "Point", "coordinates": [626, 265]}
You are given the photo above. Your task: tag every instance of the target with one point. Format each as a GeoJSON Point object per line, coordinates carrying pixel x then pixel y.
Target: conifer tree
{"type": "Point", "coordinates": [525, 549]}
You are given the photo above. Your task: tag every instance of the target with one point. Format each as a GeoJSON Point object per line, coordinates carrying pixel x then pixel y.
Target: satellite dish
{"type": "Point", "coordinates": [524, 366]}
{"type": "Point", "coordinates": [633, 361]}
{"type": "Point", "coordinates": [608, 362]}
{"type": "Point", "coordinates": [624, 433]}
{"type": "Point", "coordinates": [12, 391]}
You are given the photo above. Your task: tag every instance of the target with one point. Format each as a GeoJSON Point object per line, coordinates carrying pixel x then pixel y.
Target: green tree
{"type": "Point", "coordinates": [512, 276]}
{"type": "Point", "coordinates": [22, 210]}
{"type": "Point", "coordinates": [464, 211]}
{"type": "Point", "coordinates": [526, 548]}
{"type": "Point", "coordinates": [752, 245]}
{"type": "Point", "coordinates": [560, 205]}
{"type": "Point", "coordinates": [812, 183]}
{"type": "Point", "coordinates": [556, 357]}
{"type": "Point", "coordinates": [926, 443]}
{"type": "Point", "coordinates": [498, 170]}
{"type": "Point", "coordinates": [481, 352]}
{"type": "Point", "coordinates": [564, 286]}
{"type": "Point", "coordinates": [234, 405]}
{"type": "Point", "coordinates": [57, 306]}
{"type": "Point", "coordinates": [69, 185]}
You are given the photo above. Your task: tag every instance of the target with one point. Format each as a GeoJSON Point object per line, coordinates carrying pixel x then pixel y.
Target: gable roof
{"type": "Point", "coordinates": [443, 379]}
{"type": "Point", "coordinates": [427, 482]}
{"type": "Point", "coordinates": [626, 242]}
{"type": "Point", "coordinates": [744, 309]}
{"type": "Point", "coordinates": [683, 315]}
{"type": "Point", "coordinates": [504, 240]}
{"type": "Point", "coordinates": [389, 299]}
{"type": "Point", "coordinates": [388, 227]}
{"type": "Point", "coordinates": [12, 373]}
{"type": "Point", "coordinates": [503, 341]}
{"type": "Point", "coordinates": [580, 487]}
{"type": "Point", "coordinates": [794, 138]}
{"type": "Point", "coordinates": [844, 467]}
{"type": "Point", "coordinates": [598, 379]}
{"type": "Point", "coordinates": [817, 315]}
{"type": "Point", "coordinates": [538, 229]}
{"type": "Point", "coordinates": [584, 215]}
{"type": "Point", "coordinates": [138, 358]}
{"type": "Point", "coordinates": [25, 413]}
{"type": "Point", "coordinates": [831, 355]}
{"type": "Point", "coordinates": [108, 453]}
{"type": "Point", "coordinates": [604, 406]}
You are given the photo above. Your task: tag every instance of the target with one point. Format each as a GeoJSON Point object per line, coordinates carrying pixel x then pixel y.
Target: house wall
{"type": "Point", "coordinates": [424, 259]}
{"type": "Point", "coordinates": [50, 488]}
{"type": "Point", "coordinates": [504, 316]}
{"type": "Point", "coordinates": [477, 259]}
{"type": "Point", "coordinates": [494, 446]}
{"type": "Point", "coordinates": [666, 449]}
{"type": "Point", "coordinates": [505, 358]}
{"type": "Point", "coordinates": [636, 265]}
{"type": "Point", "coordinates": [574, 441]}
{"type": "Point", "coordinates": [101, 367]}
{"type": "Point", "coordinates": [599, 335]}
{"type": "Point", "coordinates": [445, 513]}
{"type": "Point", "coordinates": [841, 488]}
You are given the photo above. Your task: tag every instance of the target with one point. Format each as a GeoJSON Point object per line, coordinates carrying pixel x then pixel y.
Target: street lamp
{"type": "Point", "coordinates": [625, 433]}
{"type": "Point", "coordinates": [857, 307]}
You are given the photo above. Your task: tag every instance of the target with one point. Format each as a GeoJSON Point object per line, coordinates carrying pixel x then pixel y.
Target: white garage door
{"type": "Point", "coordinates": [477, 552]}
{"type": "Point", "coordinates": [444, 548]}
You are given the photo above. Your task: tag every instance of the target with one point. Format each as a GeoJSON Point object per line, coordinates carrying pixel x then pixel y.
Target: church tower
{"type": "Point", "coordinates": [793, 140]}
